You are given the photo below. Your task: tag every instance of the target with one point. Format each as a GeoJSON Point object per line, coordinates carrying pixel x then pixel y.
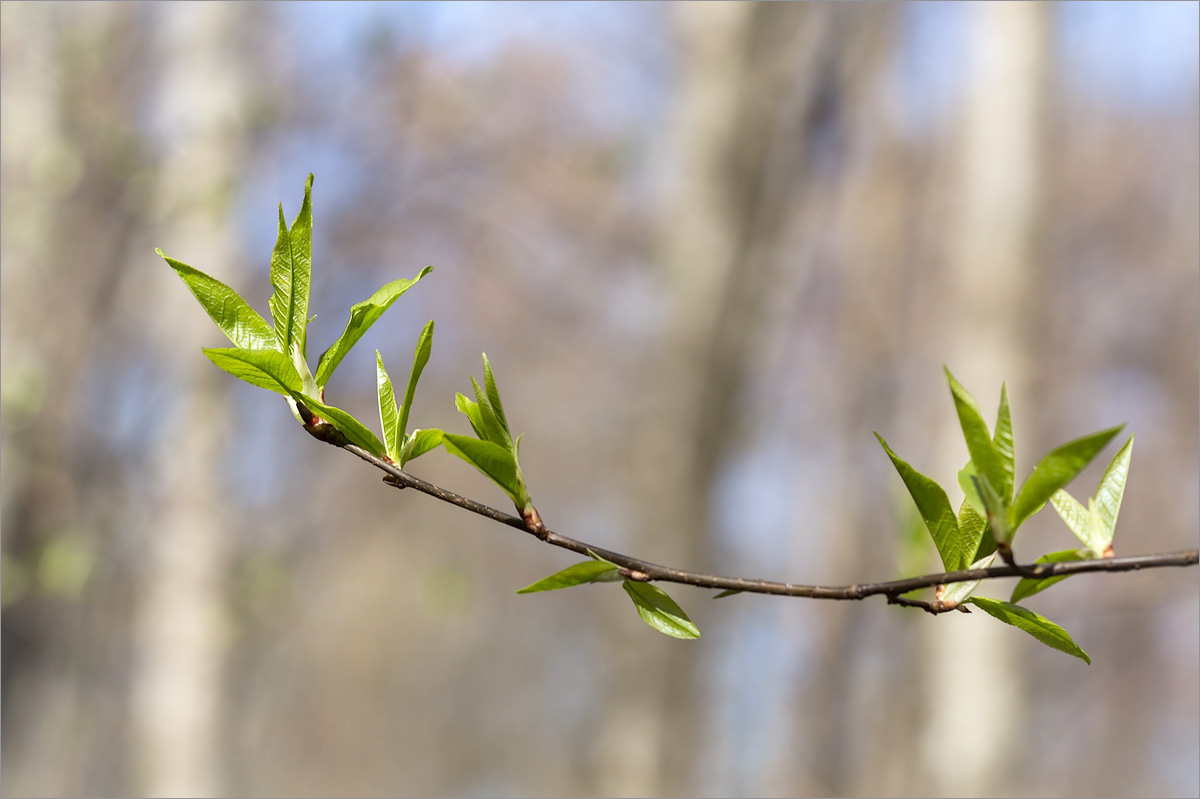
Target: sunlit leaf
{"type": "Point", "coordinates": [1039, 627]}
{"type": "Point", "coordinates": [362, 316]}
{"type": "Point", "coordinates": [1112, 489]}
{"type": "Point", "coordinates": [291, 273]}
{"type": "Point", "coordinates": [269, 369]}
{"type": "Point", "coordinates": [420, 442]}
{"type": "Point", "coordinates": [935, 509]}
{"type": "Point", "coordinates": [589, 571]}
{"type": "Point", "coordinates": [984, 454]}
{"type": "Point", "coordinates": [493, 394]}
{"type": "Point", "coordinates": [389, 417]}
{"type": "Point", "coordinates": [1029, 586]}
{"type": "Point", "coordinates": [233, 315]}
{"type": "Point", "coordinates": [1055, 471]}
{"type": "Point", "coordinates": [1077, 517]}
{"type": "Point", "coordinates": [660, 611]}
{"type": "Point", "coordinates": [493, 430]}
{"type": "Point", "coordinates": [470, 409]}
{"type": "Point", "coordinates": [494, 461]}
{"type": "Point", "coordinates": [420, 358]}
{"type": "Point", "coordinates": [1003, 441]}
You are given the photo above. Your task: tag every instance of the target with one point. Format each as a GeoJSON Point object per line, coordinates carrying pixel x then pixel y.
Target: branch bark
{"type": "Point", "coordinates": [645, 571]}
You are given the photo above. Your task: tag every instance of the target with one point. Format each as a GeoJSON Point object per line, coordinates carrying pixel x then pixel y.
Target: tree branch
{"type": "Point", "coordinates": [645, 571]}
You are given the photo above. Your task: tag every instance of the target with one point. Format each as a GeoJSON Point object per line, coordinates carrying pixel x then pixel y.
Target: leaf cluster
{"type": "Point", "coordinates": [993, 509]}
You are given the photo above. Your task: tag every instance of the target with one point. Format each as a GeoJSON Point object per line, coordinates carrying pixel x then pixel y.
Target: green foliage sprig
{"type": "Point", "coordinates": [274, 357]}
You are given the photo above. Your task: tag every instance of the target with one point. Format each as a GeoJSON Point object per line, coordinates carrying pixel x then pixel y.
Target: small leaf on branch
{"type": "Point", "coordinates": [291, 274]}
{"type": "Point", "coordinates": [935, 509]}
{"type": "Point", "coordinates": [362, 316]}
{"type": "Point", "coordinates": [420, 358]}
{"type": "Point", "coordinates": [1039, 627]}
{"type": "Point", "coordinates": [589, 571]}
{"type": "Point", "coordinates": [727, 592]}
{"type": "Point", "coordinates": [389, 417]}
{"type": "Point", "coordinates": [494, 461]}
{"type": "Point", "coordinates": [420, 442]}
{"type": "Point", "coordinates": [269, 369]}
{"type": "Point", "coordinates": [232, 314]}
{"type": "Point", "coordinates": [660, 611]}
{"type": "Point", "coordinates": [984, 455]}
{"type": "Point", "coordinates": [354, 431]}
{"type": "Point", "coordinates": [1055, 471]}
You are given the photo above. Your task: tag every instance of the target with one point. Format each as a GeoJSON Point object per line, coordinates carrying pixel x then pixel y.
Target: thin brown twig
{"type": "Point", "coordinates": [646, 571]}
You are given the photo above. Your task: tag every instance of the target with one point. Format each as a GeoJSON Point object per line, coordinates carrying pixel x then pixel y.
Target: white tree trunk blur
{"type": "Point", "coordinates": [992, 250]}
{"type": "Point", "coordinates": [180, 633]}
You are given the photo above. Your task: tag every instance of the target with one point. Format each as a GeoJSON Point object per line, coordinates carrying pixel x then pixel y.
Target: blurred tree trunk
{"type": "Point", "coordinates": [737, 136]}
{"type": "Point", "coordinates": [993, 253]}
{"type": "Point", "coordinates": [180, 637]}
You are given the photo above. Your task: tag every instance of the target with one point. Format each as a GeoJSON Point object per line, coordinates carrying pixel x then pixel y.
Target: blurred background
{"type": "Point", "coordinates": [709, 249]}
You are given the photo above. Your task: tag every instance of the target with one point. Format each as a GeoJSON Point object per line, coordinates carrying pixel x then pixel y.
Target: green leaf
{"type": "Point", "coordinates": [420, 358]}
{"type": "Point", "coordinates": [1039, 627]}
{"type": "Point", "coordinates": [589, 571]}
{"type": "Point", "coordinates": [975, 532]}
{"type": "Point", "coordinates": [966, 481]}
{"type": "Point", "coordinates": [269, 369]}
{"type": "Point", "coordinates": [493, 395]}
{"type": "Point", "coordinates": [935, 509]}
{"type": "Point", "coordinates": [291, 273]}
{"type": "Point", "coordinates": [389, 417]}
{"type": "Point", "coordinates": [494, 461]}
{"type": "Point", "coordinates": [984, 454]}
{"type": "Point", "coordinates": [1056, 470]}
{"type": "Point", "coordinates": [470, 409]}
{"type": "Point", "coordinates": [994, 510]}
{"type": "Point", "coordinates": [660, 611]}
{"type": "Point", "coordinates": [1112, 489]}
{"type": "Point", "coordinates": [1029, 586]}
{"type": "Point", "coordinates": [958, 592]}
{"type": "Point", "coordinates": [727, 592]}
{"type": "Point", "coordinates": [492, 429]}
{"type": "Point", "coordinates": [1077, 517]}
{"type": "Point", "coordinates": [362, 316]}
{"type": "Point", "coordinates": [237, 320]}
{"type": "Point", "coordinates": [1003, 441]}
{"type": "Point", "coordinates": [420, 442]}
{"type": "Point", "coordinates": [354, 431]}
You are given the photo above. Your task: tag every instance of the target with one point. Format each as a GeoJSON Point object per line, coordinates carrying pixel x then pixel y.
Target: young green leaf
{"type": "Point", "coordinates": [1039, 627]}
{"type": "Point", "coordinates": [362, 316]}
{"type": "Point", "coordinates": [420, 442]}
{"type": "Point", "coordinates": [1003, 441]}
{"type": "Point", "coordinates": [727, 592]}
{"type": "Point", "coordinates": [493, 430]}
{"type": "Point", "coordinates": [470, 409]}
{"type": "Point", "coordinates": [269, 369]}
{"type": "Point", "coordinates": [420, 358]}
{"type": "Point", "coordinates": [994, 510]}
{"type": "Point", "coordinates": [1112, 489]}
{"type": "Point", "coordinates": [1078, 519]}
{"type": "Point", "coordinates": [935, 509]}
{"type": "Point", "coordinates": [1054, 472]}
{"type": "Point", "coordinates": [354, 431]}
{"type": "Point", "coordinates": [975, 532]}
{"type": "Point", "coordinates": [494, 461]}
{"type": "Point", "coordinates": [237, 320]}
{"type": "Point", "coordinates": [984, 454]}
{"type": "Point", "coordinates": [589, 571]}
{"type": "Point", "coordinates": [389, 417]}
{"type": "Point", "coordinates": [966, 481]}
{"type": "Point", "coordinates": [660, 611]}
{"type": "Point", "coordinates": [291, 274]}
{"type": "Point", "coordinates": [493, 395]}
{"type": "Point", "coordinates": [958, 592]}
{"type": "Point", "coordinates": [1028, 586]}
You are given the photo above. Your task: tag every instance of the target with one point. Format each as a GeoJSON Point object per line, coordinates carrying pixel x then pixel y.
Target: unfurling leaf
{"type": "Point", "coordinates": [291, 275]}
{"type": "Point", "coordinates": [494, 461]}
{"type": "Point", "coordinates": [389, 417]}
{"type": "Point", "coordinates": [420, 442]}
{"type": "Point", "coordinates": [420, 358]}
{"type": "Point", "coordinates": [660, 611]}
{"type": "Point", "coordinates": [1030, 586]}
{"type": "Point", "coordinates": [984, 453]}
